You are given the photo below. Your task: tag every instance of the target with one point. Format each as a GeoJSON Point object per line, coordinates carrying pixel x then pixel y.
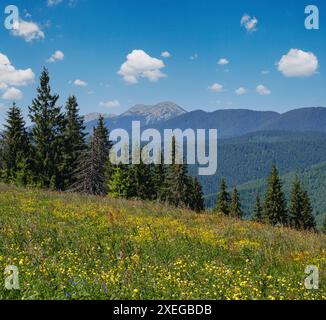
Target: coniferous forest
{"type": "Point", "coordinates": [55, 153]}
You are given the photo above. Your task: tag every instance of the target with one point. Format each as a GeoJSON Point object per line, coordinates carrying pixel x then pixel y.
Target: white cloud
{"type": "Point", "coordinates": [194, 56]}
{"type": "Point", "coordinates": [265, 72]}
{"type": "Point", "coordinates": [52, 3]}
{"type": "Point", "coordinates": [298, 63]}
{"type": "Point", "coordinates": [216, 87]}
{"type": "Point", "coordinates": [262, 90]}
{"type": "Point", "coordinates": [110, 104]}
{"type": "Point", "coordinates": [10, 76]}
{"type": "Point", "coordinates": [12, 94]}
{"type": "Point", "coordinates": [240, 91]}
{"type": "Point", "coordinates": [165, 54]}
{"type": "Point", "coordinates": [57, 56]}
{"type": "Point", "coordinates": [223, 62]}
{"type": "Point", "coordinates": [28, 30]}
{"type": "Point", "coordinates": [140, 65]}
{"type": "Point", "coordinates": [250, 23]}
{"type": "Point", "coordinates": [80, 83]}
{"type": "Point", "coordinates": [3, 86]}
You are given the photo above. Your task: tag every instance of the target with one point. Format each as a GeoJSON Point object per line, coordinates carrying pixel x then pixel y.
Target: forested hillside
{"type": "Point", "coordinates": [250, 157]}
{"type": "Point", "coordinates": [313, 180]}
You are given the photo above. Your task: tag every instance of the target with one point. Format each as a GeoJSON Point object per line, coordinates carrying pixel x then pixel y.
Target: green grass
{"type": "Point", "coordinates": [69, 246]}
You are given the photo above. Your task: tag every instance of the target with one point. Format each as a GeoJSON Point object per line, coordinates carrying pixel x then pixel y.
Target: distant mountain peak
{"type": "Point", "coordinates": [154, 113]}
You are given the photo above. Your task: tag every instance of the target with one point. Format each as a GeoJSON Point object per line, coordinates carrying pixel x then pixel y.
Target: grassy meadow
{"type": "Point", "coordinates": [70, 246]}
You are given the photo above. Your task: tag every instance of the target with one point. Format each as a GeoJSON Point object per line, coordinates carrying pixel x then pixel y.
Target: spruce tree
{"type": "Point", "coordinates": [223, 200]}
{"type": "Point", "coordinates": [176, 183]}
{"type": "Point", "coordinates": [235, 207]}
{"type": "Point", "coordinates": [308, 219]}
{"type": "Point", "coordinates": [158, 180]}
{"type": "Point", "coordinates": [91, 176]}
{"type": "Point", "coordinates": [74, 140]}
{"type": "Point", "coordinates": [47, 136]}
{"type": "Point", "coordinates": [15, 147]}
{"type": "Point", "coordinates": [195, 195]}
{"type": "Point", "coordinates": [119, 184]}
{"type": "Point", "coordinates": [275, 204]}
{"type": "Point", "coordinates": [258, 210]}
{"type": "Point", "coordinates": [141, 175]}
{"type": "Point", "coordinates": [300, 210]}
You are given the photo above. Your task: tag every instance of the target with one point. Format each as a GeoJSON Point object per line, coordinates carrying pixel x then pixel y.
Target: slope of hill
{"type": "Point", "coordinates": [313, 179]}
{"type": "Point", "coordinates": [77, 247]}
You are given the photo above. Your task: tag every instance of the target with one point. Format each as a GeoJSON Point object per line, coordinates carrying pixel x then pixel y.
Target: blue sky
{"type": "Point", "coordinates": [95, 37]}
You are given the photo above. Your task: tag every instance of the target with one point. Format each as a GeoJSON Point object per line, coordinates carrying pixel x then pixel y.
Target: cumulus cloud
{"type": "Point", "coordinates": [12, 94]}
{"type": "Point", "coordinates": [250, 23]}
{"type": "Point", "coordinates": [28, 30]}
{"type": "Point", "coordinates": [223, 62]}
{"type": "Point", "coordinates": [80, 83]}
{"type": "Point", "coordinates": [10, 76]}
{"type": "Point", "coordinates": [262, 90]}
{"type": "Point", "coordinates": [165, 54]}
{"type": "Point", "coordinates": [57, 56]}
{"type": "Point", "coordinates": [140, 65]}
{"type": "Point", "coordinates": [216, 87]}
{"type": "Point", "coordinates": [240, 91]}
{"type": "Point", "coordinates": [52, 3]}
{"type": "Point", "coordinates": [110, 104]}
{"type": "Point", "coordinates": [298, 63]}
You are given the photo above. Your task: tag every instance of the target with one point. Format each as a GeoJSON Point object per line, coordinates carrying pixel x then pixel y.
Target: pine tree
{"type": "Point", "coordinates": [15, 149]}
{"type": "Point", "coordinates": [47, 137]}
{"type": "Point", "coordinates": [74, 140]}
{"type": "Point", "coordinates": [258, 210]}
{"type": "Point", "coordinates": [195, 195]}
{"type": "Point", "coordinates": [223, 200]}
{"type": "Point", "coordinates": [91, 173]}
{"type": "Point", "coordinates": [308, 219]}
{"type": "Point", "coordinates": [235, 208]}
{"type": "Point", "coordinates": [158, 180]}
{"type": "Point", "coordinates": [300, 210]}
{"type": "Point", "coordinates": [119, 184]}
{"type": "Point", "coordinates": [141, 181]}
{"type": "Point", "coordinates": [176, 182]}
{"type": "Point", "coordinates": [275, 204]}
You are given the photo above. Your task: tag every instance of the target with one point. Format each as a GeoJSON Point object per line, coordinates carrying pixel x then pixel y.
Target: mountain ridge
{"type": "Point", "coordinates": [229, 122]}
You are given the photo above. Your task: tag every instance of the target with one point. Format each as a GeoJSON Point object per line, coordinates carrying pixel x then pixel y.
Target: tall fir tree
{"type": "Point", "coordinates": [235, 207]}
{"type": "Point", "coordinates": [47, 135]}
{"type": "Point", "coordinates": [275, 204]}
{"type": "Point", "coordinates": [300, 210]}
{"type": "Point", "coordinates": [74, 141]}
{"type": "Point", "coordinates": [91, 176]}
{"type": "Point", "coordinates": [195, 195]}
{"type": "Point", "coordinates": [140, 177]}
{"type": "Point", "coordinates": [308, 218]}
{"type": "Point", "coordinates": [176, 182]}
{"type": "Point", "coordinates": [258, 210]}
{"type": "Point", "coordinates": [119, 183]}
{"type": "Point", "coordinates": [158, 180]}
{"type": "Point", "coordinates": [223, 200]}
{"type": "Point", "coordinates": [16, 166]}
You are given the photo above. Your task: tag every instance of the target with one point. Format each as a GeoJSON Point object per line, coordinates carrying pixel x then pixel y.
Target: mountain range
{"type": "Point", "coordinates": [250, 142]}
{"type": "Point", "coordinates": [229, 123]}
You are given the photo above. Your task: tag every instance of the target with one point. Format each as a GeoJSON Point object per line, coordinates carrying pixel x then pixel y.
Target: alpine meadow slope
{"type": "Point", "coordinates": [70, 246]}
